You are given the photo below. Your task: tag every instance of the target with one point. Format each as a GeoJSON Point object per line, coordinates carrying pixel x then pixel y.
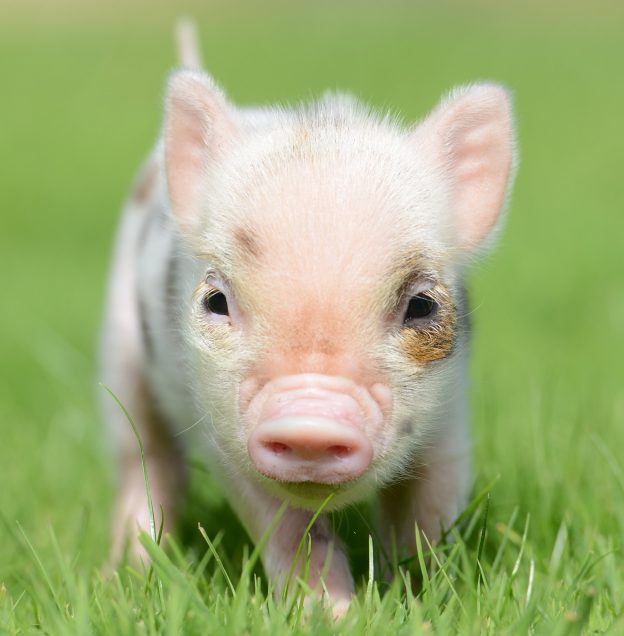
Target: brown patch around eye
{"type": "Point", "coordinates": [247, 243]}
{"type": "Point", "coordinates": [433, 339]}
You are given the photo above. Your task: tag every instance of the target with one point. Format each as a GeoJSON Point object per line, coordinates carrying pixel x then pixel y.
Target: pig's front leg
{"type": "Point", "coordinates": [433, 498]}
{"type": "Point", "coordinates": [165, 470]}
{"type": "Point", "coordinates": [327, 559]}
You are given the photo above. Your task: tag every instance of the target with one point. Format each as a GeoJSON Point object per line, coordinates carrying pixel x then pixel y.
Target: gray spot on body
{"type": "Point", "coordinates": [146, 334]}
{"type": "Point", "coordinates": [171, 299]}
{"type": "Point", "coordinates": [464, 319]}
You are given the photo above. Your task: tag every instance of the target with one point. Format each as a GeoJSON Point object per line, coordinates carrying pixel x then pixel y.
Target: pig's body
{"type": "Point", "coordinates": [287, 295]}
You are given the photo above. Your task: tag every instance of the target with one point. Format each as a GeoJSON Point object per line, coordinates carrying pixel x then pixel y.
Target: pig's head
{"type": "Point", "coordinates": [326, 324]}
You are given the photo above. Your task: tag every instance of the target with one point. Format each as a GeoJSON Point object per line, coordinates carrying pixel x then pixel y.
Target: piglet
{"type": "Point", "coordinates": [287, 296]}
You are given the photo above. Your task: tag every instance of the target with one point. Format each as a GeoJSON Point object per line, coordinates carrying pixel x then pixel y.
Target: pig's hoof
{"type": "Point", "coordinates": [337, 605]}
{"type": "Point", "coordinates": [339, 608]}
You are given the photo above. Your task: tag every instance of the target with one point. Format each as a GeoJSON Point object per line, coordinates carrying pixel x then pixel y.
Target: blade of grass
{"type": "Point", "coordinates": [442, 571]}
{"type": "Point", "coordinates": [171, 572]}
{"type": "Point", "coordinates": [150, 573]}
{"type": "Point", "coordinates": [478, 568]}
{"type": "Point", "coordinates": [558, 548]}
{"type": "Point", "coordinates": [424, 572]}
{"type": "Point", "coordinates": [41, 567]}
{"type": "Point", "coordinates": [217, 559]}
{"type": "Point", "coordinates": [371, 572]}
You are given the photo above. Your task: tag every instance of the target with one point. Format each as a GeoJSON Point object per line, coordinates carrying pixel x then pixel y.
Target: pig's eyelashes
{"type": "Point", "coordinates": [419, 307]}
{"type": "Point", "coordinates": [215, 302]}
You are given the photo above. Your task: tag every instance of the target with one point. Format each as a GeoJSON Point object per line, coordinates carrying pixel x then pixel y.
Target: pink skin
{"type": "Point", "coordinates": [311, 427]}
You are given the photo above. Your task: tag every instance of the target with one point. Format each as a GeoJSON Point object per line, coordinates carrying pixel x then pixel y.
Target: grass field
{"type": "Point", "coordinates": [540, 552]}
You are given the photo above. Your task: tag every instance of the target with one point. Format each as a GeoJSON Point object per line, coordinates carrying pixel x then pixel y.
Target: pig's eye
{"type": "Point", "coordinates": [216, 303]}
{"type": "Point", "coordinates": [420, 306]}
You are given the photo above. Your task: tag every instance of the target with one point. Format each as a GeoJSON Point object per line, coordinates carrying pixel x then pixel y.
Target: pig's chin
{"type": "Point", "coordinates": [310, 495]}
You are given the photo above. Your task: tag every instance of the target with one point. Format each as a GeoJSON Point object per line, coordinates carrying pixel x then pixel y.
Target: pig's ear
{"type": "Point", "coordinates": [471, 135]}
{"type": "Point", "coordinates": [197, 129]}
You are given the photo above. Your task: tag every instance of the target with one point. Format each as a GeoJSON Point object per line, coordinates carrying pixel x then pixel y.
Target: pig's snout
{"type": "Point", "coordinates": [312, 428]}
{"type": "Point", "coordinates": [315, 449]}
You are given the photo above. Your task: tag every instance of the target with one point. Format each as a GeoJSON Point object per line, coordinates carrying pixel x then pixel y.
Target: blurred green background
{"type": "Point", "coordinates": [81, 104]}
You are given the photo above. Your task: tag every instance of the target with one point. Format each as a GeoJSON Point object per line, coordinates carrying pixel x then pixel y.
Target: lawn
{"type": "Point", "coordinates": [540, 549]}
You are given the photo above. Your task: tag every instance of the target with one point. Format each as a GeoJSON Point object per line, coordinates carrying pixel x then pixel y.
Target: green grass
{"type": "Point", "coordinates": [541, 551]}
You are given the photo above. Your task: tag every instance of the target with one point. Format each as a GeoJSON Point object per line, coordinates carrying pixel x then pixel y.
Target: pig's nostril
{"type": "Point", "coordinates": [277, 447]}
{"type": "Point", "coordinates": [339, 451]}
{"type": "Point", "coordinates": [309, 449]}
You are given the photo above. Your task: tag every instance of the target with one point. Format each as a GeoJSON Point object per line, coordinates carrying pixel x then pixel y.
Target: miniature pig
{"type": "Point", "coordinates": [287, 295]}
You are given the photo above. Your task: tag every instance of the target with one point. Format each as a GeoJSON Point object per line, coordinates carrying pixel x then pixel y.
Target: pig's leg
{"type": "Point", "coordinates": [433, 498]}
{"type": "Point", "coordinates": [164, 464]}
{"type": "Point", "coordinates": [122, 370]}
{"type": "Point", "coordinates": [327, 559]}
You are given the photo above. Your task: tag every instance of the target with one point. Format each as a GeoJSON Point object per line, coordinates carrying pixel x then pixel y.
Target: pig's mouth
{"type": "Point", "coordinates": [310, 495]}
{"type": "Point", "coordinates": [311, 491]}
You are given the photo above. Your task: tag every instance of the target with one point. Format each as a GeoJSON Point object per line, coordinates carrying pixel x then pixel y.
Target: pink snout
{"type": "Point", "coordinates": [300, 448]}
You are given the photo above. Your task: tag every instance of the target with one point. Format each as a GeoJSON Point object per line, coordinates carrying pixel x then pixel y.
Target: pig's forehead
{"type": "Point", "coordinates": [342, 195]}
